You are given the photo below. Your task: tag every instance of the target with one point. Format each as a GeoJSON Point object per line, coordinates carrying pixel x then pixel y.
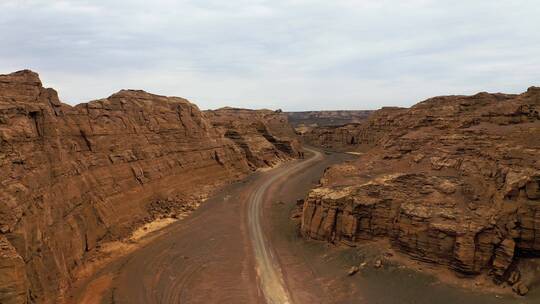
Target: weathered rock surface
{"type": "Point", "coordinates": [327, 118]}
{"type": "Point", "coordinates": [71, 177]}
{"type": "Point", "coordinates": [14, 283]}
{"type": "Point", "coordinates": [452, 180]}
{"type": "Point", "coordinates": [354, 136]}
{"type": "Point", "coordinates": [265, 136]}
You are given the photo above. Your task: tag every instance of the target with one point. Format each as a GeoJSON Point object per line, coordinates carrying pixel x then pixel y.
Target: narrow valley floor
{"type": "Point", "coordinates": [209, 257]}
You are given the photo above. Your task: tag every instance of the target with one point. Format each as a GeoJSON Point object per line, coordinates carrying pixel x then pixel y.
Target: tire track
{"type": "Point", "coordinates": [267, 267]}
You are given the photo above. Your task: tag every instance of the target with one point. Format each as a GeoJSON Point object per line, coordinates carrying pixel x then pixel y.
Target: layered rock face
{"type": "Point", "coordinates": [265, 136]}
{"type": "Point", "coordinates": [357, 136]}
{"type": "Point", "coordinates": [453, 180]}
{"type": "Point", "coordinates": [71, 177]}
{"type": "Point", "coordinates": [327, 118]}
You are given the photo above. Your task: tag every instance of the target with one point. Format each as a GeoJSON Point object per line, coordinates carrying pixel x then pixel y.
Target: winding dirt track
{"type": "Point", "coordinates": [220, 254]}
{"type": "Point", "coordinates": [267, 266]}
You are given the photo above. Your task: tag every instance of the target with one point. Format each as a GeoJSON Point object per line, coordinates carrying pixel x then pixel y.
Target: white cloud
{"type": "Point", "coordinates": [291, 54]}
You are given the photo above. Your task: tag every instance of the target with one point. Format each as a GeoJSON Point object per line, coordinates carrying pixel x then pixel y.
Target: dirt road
{"type": "Point", "coordinates": [268, 268]}
{"type": "Point", "coordinates": [220, 254]}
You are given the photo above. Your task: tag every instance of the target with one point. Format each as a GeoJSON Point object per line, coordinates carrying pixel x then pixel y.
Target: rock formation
{"type": "Point", "coordinates": [452, 180]}
{"type": "Point", "coordinates": [354, 136]}
{"type": "Point", "coordinates": [72, 177]}
{"type": "Point", "coordinates": [327, 118]}
{"type": "Point", "coordinates": [265, 136]}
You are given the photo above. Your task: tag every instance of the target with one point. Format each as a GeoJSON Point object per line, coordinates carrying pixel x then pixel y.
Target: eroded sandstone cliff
{"type": "Point", "coordinates": [453, 180]}
{"type": "Point", "coordinates": [353, 136]}
{"type": "Point", "coordinates": [265, 136]}
{"type": "Point", "coordinates": [327, 118]}
{"type": "Point", "coordinates": [72, 177]}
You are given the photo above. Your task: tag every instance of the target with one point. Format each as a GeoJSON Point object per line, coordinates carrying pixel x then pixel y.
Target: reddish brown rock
{"type": "Point", "coordinates": [520, 288]}
{"type": "Point", "coordinates": [265, 136]}
{"type": "Point", "coordinates": [72, 177]}
{"type": "Point", "coordinates": [354, 136]}
{"type": "Point", "coordinates": [327, 118]}
{"type": "Point", "coordinates": [452, 180]}
{"type": "Point", "coordinates": [14, 283]}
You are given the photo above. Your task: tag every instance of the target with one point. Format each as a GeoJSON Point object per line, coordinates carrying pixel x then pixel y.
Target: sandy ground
{"type": "Point", "coordinates": [204, 258]}
{"type": "Point", "coordinates": [91, 287]}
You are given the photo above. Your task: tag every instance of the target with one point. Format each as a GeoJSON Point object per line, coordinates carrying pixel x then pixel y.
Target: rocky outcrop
{"type": "Point", "coordinates": [265, 136]}
{"type": "Point", "coordinates": [357, 136]}
{"type": "Point", "coordinates": [72, 177]}
{"type": "Point", "coordinates": [13, 280]}
{"type": "Point", "coordinates": [453, 180]}
{"type": "Point", "coordinates": [327, 118]}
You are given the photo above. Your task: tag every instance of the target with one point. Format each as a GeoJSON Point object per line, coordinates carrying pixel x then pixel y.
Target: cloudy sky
{"type": "Point", "coordinates": [290, 54]}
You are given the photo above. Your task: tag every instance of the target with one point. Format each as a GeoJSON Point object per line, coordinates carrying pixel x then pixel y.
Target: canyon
{"type": "Point", "coordinates": [453, 180]}
{"type": "Point", "coordinates": [75, 177]}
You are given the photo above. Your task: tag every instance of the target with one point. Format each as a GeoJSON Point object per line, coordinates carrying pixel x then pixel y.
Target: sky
{"type": "Point", "coordinates": [289, 54]}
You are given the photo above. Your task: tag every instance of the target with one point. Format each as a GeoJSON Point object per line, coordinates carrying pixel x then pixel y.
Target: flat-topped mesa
{"type": "Point", "coordinates": [25, 87]}
{"type": "Point", "coordinates": [265, 136]}
{"type": "Point", "coordinates": [20, 79]}
{"type": "Point", "coordinates": [327, 118]}
{"type": "Point", "coordinates": [72, 177]}
{"type": "Point", "coordinates": [453, 180]}
{"type": "Point", "coordinates": [130, 95]}
{"type": "Point", "coordinates": [533, 90]}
